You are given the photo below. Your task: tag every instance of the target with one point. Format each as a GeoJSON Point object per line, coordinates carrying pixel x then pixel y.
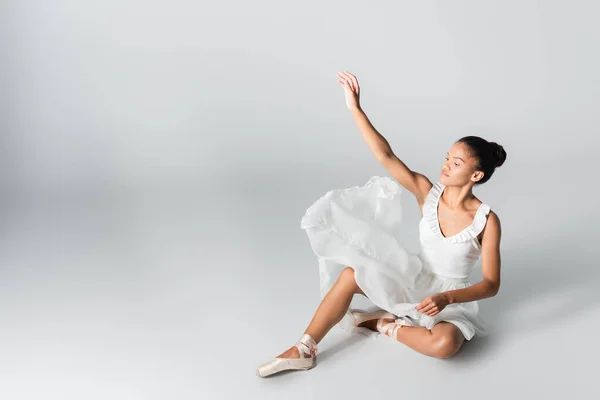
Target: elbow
{"type": "Point", "coordinates": [494, 288]}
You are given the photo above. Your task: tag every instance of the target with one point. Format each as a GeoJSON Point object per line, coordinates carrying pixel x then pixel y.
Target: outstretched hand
{"type": "Point", "coordinates": [351, 89]}
{"type": "Point", "coordinates": [433, 304]}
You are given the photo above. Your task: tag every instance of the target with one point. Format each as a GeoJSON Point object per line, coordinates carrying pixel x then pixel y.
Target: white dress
{"type": "Point", "coordinates": [358, 226]}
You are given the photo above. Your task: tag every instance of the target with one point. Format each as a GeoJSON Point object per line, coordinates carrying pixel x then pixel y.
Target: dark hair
{"type": "Point", "coordinates": [489, 155]}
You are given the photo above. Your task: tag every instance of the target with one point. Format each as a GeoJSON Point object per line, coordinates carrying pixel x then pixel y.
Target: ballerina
{"type": "Point", "coordinates": [424, 300]}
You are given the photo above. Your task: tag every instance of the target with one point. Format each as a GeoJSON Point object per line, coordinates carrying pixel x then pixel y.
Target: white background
{"type": "Point", "coordinates": [157, 157]}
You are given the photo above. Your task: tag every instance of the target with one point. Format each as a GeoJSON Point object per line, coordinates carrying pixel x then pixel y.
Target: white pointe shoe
{"type": "Point", "coordinates": [307, 345]}
{"type": "Point", "coordinates": [360, 317]}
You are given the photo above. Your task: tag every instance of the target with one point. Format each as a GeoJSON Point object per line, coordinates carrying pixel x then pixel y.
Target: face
{"type": "Point", "coordinates": [459, 167]}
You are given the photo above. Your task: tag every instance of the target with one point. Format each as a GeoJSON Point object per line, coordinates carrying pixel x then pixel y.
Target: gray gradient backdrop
{"type": "Point", "coordinates": [158, 156]}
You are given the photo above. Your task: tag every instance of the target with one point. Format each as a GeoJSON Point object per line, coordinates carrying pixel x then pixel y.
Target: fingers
{"type": "Point", "coordinates": [424, 303]}
{"type": "Point", "coordinates": [351, 79]}
{"type": "Point", "coordinates": [428, 309]}
{"type": "Point", "coordinates": [345, 81]}
{"type": "Point", "coordinates": [351, 82]}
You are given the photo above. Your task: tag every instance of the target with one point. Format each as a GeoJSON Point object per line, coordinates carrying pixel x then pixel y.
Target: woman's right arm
{"type": "Point", "coordinates": [416, 183]}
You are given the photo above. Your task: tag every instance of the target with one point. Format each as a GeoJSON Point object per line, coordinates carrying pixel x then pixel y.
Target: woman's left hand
{"type": "Point", "coordinates": [433, 304]}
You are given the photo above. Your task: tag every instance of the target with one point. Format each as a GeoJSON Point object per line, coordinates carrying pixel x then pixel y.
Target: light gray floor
{"type": "Point", "coordinates": [182, 291]}
{"type": "Point", "coordinates": [156, 159]}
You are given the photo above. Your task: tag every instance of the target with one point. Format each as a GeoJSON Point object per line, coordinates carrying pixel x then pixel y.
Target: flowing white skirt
{"type": "Point", "coordinates": [358, 227]}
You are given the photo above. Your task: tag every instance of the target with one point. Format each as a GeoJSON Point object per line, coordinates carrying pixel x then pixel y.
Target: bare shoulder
{"type": "Point", "coordinates": [493, 220]}
{"type": "Point", "coordinates": [492, 230]}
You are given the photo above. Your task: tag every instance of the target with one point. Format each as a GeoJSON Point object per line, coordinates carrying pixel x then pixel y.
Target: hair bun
{"type": "Point", "coordinates": [499, 153]}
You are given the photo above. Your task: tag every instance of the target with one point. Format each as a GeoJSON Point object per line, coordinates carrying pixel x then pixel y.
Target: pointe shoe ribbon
{"type": "Point", "coordinates": [389, 329]}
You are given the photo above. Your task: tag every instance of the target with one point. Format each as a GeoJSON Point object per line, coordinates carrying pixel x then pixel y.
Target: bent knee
{"type": "Point", "coordinates": [347, 278]}
{"type": "Point", "coordinates": [347, 274]}
{"type": "Point", "coordinates": [445, 346]}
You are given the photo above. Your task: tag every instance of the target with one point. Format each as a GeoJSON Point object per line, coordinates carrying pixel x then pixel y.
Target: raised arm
{"type": "Point", "coordinates": [416, 183]}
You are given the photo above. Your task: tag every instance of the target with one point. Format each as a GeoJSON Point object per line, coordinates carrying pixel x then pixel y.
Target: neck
{"type": "Point", "coordinates": [456, 197]}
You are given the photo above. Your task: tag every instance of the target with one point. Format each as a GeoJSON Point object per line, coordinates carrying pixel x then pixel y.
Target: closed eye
{"type": "Point", "coordinates": [455, 163]}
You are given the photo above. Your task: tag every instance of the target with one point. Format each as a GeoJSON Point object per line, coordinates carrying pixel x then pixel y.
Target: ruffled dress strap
{"type": "Point", "coordinates": [430, 215]}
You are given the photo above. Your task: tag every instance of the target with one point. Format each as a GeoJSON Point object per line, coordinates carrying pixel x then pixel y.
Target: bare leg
{"type": "Point", "coordinates": [442, 341]}
{"type": "Point", "coordinates": [331, 310]}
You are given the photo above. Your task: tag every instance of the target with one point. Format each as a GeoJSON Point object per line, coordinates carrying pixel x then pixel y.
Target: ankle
{"type": "Point", "coordinates": [308, 345]}
{"type": "Point", "coordinates": [388, 327]}
{"type": "Point", "coordinates": [370, 324]}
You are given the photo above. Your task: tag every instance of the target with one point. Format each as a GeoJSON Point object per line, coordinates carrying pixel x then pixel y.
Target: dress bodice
{"type": "Point", "coordinates": [454, 256]}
